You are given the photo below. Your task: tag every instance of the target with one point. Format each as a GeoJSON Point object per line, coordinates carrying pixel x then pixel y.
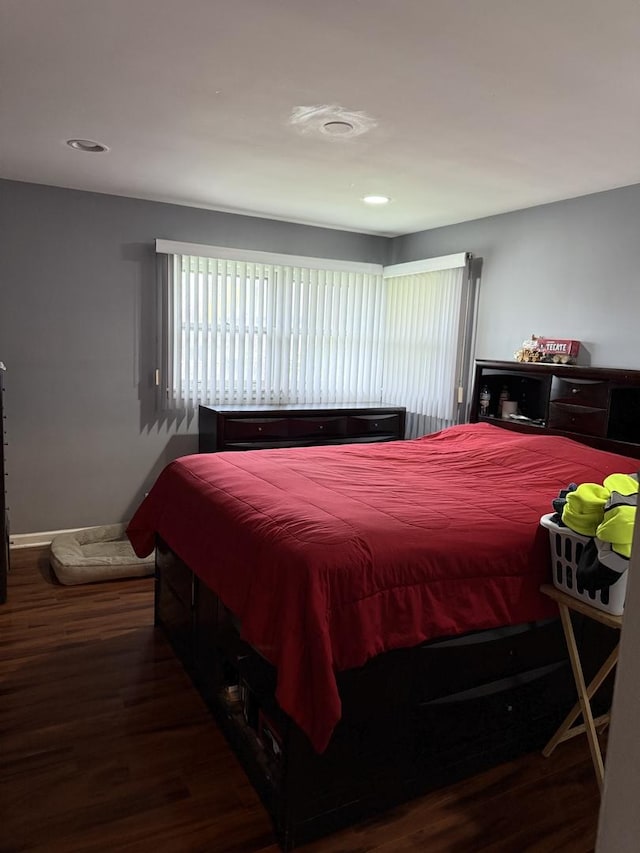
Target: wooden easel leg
{"type": "Point", "coordinates": [583, 698]}
{"type": "Point", "coordinates": [565, 731]}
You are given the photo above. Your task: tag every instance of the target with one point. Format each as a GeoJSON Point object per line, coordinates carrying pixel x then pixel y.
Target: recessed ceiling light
{"type": "Point", "coordinates": [376, 199]}
{"type": "Point", "coordinates": [337, 128]}
{"type": "Point", "coordinates": [87, 145]}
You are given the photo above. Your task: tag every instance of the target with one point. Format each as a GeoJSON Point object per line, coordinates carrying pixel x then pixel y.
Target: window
{"type": "Point", "coordinates": [254, 328]}
{"type": "Point", "coordinates": [424, 344]}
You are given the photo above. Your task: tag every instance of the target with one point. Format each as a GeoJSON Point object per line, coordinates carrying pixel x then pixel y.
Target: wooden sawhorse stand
{"type": "Point", "coordinates": [585, 692]}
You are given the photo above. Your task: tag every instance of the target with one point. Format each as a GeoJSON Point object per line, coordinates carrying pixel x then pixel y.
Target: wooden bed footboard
{"type": "Point", "coordinates": [412, 720]}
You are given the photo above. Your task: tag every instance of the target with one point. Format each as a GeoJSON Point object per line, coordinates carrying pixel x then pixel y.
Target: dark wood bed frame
{"type": "Point", "coordinates": [414, 719]}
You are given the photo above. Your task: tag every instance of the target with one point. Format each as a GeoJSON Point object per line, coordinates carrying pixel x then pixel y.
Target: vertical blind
{"type": "Point", "coordinates": [268, 333]}
{"type": "Point", "coordinates": [241, 331]}
{"type": "Point", "coordinates": [423, 325]}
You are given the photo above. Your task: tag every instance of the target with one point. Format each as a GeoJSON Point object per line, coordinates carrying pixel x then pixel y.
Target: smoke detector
{"type": "Point", "coordinates": [331, 120]}
{"type": "Point", "coordinates": [337, 128]}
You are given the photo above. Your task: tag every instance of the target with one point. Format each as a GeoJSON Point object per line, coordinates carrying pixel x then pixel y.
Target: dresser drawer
{"type": "Point", "coordinates": [373, 424]}
{"type": "Point", "coordinates": [582, 419]}
{"type": "Point", "coordinates": [580, 392]}
{"type": "Point", "coordinates": [175, 575]}
{"type": "Point", "coordinates": [255, 429]}
{"type": "Point", "coordinates": [462, 663]}
{"type": "Point", "coordinates": [264, 427]}
{"type": "Point", "coordinates": [176, 616]}
{"type": "Point", "coordinates": [318, 426]}
{"type": "Point", "coordinates": [514, 709]}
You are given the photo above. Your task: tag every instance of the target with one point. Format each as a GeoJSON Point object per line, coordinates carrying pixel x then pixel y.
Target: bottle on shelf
{"type": "Point", "coordinates": [485, 400]}
{"type": "Point", "coordinates": [504, 395]}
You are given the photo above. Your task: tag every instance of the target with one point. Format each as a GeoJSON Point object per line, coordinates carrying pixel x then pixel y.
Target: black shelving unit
{"type": "Point", "coordinates": [599, 406]}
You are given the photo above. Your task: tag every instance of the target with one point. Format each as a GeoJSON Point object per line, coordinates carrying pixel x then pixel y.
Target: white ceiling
{"type": "Point", "coordinates": [477, 106]}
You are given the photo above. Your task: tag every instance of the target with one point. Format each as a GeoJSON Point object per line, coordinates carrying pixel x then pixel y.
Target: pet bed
{"type": "Point", "coordinates": [96, 554]}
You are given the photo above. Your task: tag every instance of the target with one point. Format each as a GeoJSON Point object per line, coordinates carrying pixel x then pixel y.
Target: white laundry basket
{"type": "Point", "coordinates": [566, 548]}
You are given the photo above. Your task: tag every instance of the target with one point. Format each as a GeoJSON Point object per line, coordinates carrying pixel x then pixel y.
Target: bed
{"type": "Point", "coordinates": [365, 620]}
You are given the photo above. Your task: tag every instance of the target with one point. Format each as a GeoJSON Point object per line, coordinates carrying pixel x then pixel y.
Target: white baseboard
{"type": "Point", "coordinates": [34, 540]}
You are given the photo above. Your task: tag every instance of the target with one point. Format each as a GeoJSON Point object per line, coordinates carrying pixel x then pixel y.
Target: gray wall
{"type": "Point", "coordinates": [77, 321]}
{"type": "Point", "coordinates": [77, 334]}
{"type": "Point", "coordinates": [566, 270]}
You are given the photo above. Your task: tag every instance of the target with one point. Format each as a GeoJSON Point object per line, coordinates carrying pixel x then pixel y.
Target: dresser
{"type": "Point", "coordinates": [595, 405]}
{"type": "Point", "coordinates": [4, 515]}
{"type": "Point", "coordinates": [260, 427]}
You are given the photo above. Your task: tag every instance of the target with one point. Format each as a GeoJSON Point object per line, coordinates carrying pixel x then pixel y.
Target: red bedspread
{"type": "Point", "coordinates": [331, 555]}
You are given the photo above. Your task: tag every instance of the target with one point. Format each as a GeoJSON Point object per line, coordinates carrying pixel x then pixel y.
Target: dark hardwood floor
{"type": "Point", "coordinates": [106, 746]}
